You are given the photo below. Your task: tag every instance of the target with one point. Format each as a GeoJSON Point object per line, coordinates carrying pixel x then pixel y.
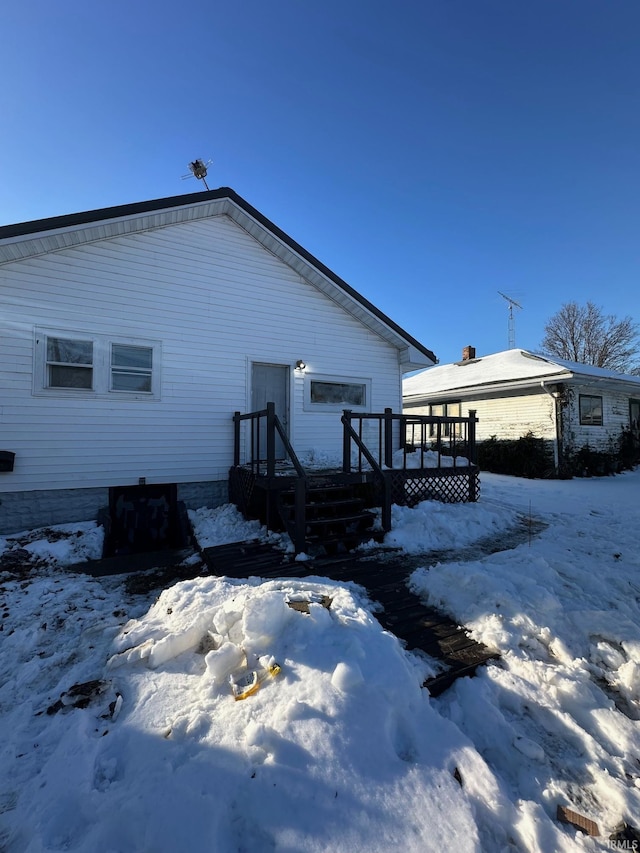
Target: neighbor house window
{"type": "Point", "coordinates": [451, 410]}
{"type": "Point", "coordinates": [131, 368]}
{"type": "Point", "coordinates": [79, 364]}
{"type": "Point", "coordinates": [69, 363]}
{"type": "Point", "coordinates": [590, 410]}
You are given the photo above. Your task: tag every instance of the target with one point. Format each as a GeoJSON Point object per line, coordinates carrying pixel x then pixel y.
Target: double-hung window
{"type": "Point", "coordinates": [84, 365]}
{"type": "Point", "coordinates": [131, 368]}
{"type": "Point", "coordinates": [69, 363]}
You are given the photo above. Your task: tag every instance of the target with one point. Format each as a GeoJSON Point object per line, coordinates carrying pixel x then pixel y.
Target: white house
{"type": "Point", "coordinates": [130, 336]}
{"type": "Point", "coordinates": [515, 392]}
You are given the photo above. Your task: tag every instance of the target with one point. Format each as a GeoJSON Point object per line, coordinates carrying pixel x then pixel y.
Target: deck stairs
{"type": "Point", "coordinates": [336, 517]}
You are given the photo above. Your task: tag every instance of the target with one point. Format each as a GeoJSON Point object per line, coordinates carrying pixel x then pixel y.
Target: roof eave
{"type": "Point", "coordinates": [28, 239]}
{"type": "Point", "coordinates": [471, 391]}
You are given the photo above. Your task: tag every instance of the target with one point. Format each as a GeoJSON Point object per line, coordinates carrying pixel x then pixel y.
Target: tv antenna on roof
{"type": "Point", "coordinates": [512, 322]}
{"type": "Point", "coordinates": [198, 169]}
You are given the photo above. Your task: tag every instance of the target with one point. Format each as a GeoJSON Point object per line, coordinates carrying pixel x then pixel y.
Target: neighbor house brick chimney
{"type": "Point", "coordinates": [468, 353]}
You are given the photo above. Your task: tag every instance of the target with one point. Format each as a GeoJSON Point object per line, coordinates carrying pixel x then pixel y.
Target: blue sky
{"type": "Point", "coordinates": [430, 152]}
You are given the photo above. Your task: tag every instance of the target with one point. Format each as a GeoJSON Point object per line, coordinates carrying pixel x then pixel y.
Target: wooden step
{"type": "Point", "coordinates": [342, 520]}
{"type": "Point", "coordinates": [334, 515]}
{"type": "Point", "coordinates": [330, 509]}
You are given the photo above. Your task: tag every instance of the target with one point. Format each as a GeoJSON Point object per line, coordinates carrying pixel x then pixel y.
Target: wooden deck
{"type": "Point", "coordinates": [384, 576]}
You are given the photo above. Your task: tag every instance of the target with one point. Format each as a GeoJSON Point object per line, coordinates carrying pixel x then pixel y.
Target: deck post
{"type": "Point", "coordinates": [386, 504]}
{"type": "Point", "coordinates": [271, 439]}
{"type": "Point", "coordinates": [473, 491]}
{"type": "Point", "coordinates": [472, 436]}
{"type": "Point", "coordinates": [388, 437]}
{"type": "Point", "coordinates": [346, 443]}
{"type": "Point", "coordinates": [236, 439]}
{"type": "Point", "coordinates": [300, 501]}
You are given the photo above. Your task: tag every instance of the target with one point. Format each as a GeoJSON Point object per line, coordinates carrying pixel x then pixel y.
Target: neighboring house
{"type": "Point", "coordinates": [131, 335]}
{"type": "Point", "coordinates": [515, 392]}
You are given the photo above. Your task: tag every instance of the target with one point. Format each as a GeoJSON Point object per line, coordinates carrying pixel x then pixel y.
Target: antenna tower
{"type": "Point", "coordinates": [512, 322]}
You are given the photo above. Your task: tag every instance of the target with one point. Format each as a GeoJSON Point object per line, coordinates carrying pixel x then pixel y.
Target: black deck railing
{"type": "Point", "coordinates": [263, 426]}
{"type": "Point", "coordinates": [442, 444]}
{"type": "Point", "coordinates": [448, 437]}
{"type": "Point", "coordinates": [401, 452]}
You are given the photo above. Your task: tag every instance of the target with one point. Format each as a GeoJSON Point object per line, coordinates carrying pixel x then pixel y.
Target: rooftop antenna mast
{"type": "Point", "coordinates": [512, 322]}
{"type": "Point", "coordinates": [198, 169]}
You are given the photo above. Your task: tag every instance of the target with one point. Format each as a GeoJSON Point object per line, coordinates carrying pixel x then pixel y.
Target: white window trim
{"type": "Point", "coordinates": [101, 365]}
{"type": "Point", "coordinates": [310, 406]}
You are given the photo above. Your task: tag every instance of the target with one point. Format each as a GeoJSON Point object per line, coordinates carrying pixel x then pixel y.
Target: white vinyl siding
{"type": "Point", "coordinates": [215, 301]}
{"type": "Point", "coordinates": [614, 413]}
{"type": "Point", "coordinates": [512, 417]}
{"type": "Point", "coordinates": [506, 417]}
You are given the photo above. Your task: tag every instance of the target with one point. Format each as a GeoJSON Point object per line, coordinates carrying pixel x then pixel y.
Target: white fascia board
{"type": "Point", "coordinates": [608, 383]}
{"type": "Point", "coordinates": [472, 392]}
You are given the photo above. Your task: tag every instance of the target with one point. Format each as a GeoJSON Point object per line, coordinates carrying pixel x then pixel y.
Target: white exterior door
{"type": "Point", "coordinates": [270, 384]}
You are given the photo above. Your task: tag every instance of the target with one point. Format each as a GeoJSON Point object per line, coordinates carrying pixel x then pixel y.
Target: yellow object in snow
{"type": "Point", "coordinates": [249, 682]}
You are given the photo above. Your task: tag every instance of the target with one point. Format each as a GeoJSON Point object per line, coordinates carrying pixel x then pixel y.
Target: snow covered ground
{"type": "Point", "coordinates": [119, 730]}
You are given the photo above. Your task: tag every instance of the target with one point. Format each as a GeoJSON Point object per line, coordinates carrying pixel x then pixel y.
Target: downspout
{"type": "Point", "coordinates": [556, 439]}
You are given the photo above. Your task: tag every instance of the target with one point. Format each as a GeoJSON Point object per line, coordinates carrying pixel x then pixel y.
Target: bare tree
{"type": "Point", "coordinates": [584, 334]}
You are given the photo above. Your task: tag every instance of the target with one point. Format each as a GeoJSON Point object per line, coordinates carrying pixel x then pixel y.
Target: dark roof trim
{"type": "Point", "coordinates": [70, 220]}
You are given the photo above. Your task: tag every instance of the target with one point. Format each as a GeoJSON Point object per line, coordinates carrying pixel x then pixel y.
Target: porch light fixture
{"type": "Point", "coordinates": [300, 365]}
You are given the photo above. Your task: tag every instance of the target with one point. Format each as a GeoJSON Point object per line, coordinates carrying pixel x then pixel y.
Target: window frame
{"type": "Point", "coordinates": [587, 420]}
{"type": "Point", "coordinates": [126, 370]}
{"type": "Point", "coordinates": [317, 406]}
{"type": "Point", "coordinates": [102, 384]}
{"type": "Point", "coordinates": [446, 432]}
{"type": "Point", "coordinates": [52, 364]}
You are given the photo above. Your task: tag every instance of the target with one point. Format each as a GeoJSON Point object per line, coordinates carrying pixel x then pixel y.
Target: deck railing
{"type": "Point", "coordinates": [263, 426]}
{"type": "Point", "coordinates": [406, 449]}
{"type": "Point", "coordinates": [394, 440]}
{"type": "Point", "coordinates": [398, 449]}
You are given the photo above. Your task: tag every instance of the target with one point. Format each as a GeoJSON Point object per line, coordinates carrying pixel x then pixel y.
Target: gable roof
{"type": "Point", "coordinates": [28, 239]}
{"type": "Point", "coordinates": [509, 370]}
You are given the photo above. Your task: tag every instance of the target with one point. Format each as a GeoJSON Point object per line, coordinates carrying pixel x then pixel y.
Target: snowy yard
{"type": "Point", "coordinates": [341, 749]}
